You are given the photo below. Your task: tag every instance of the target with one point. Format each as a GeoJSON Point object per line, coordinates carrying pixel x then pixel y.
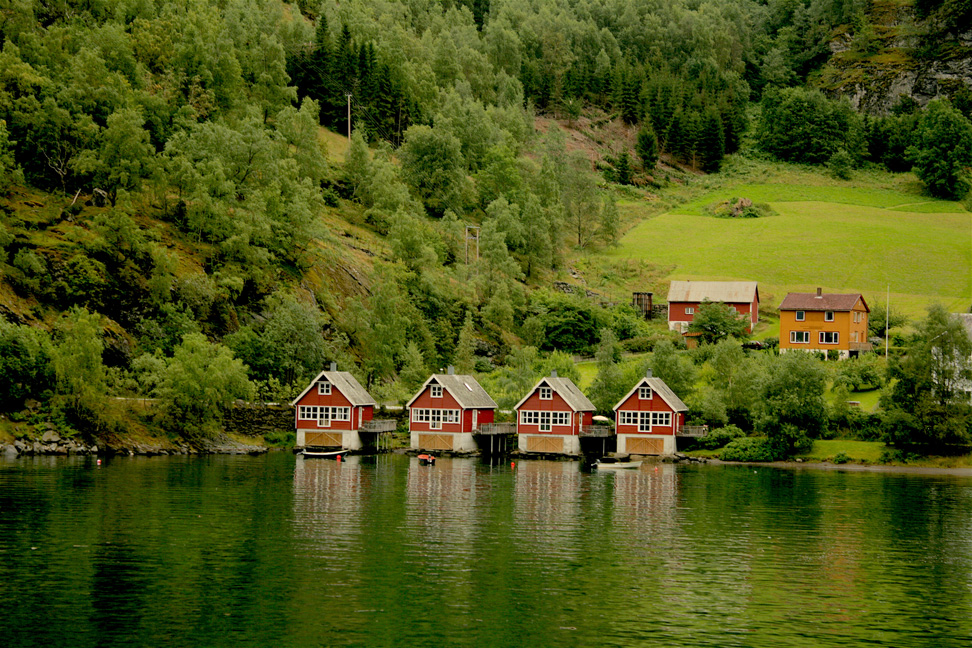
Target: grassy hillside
{"type": "Point", "coordinates": [862, 235]}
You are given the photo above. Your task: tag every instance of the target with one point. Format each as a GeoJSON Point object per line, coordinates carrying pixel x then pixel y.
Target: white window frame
{"type": "Point", "coordinates": [661, 419]}
{"type": "Point", "coordinates": [644, 393]}
{"type": "Point", "coordinates": [803, 334]}
{"type": "Point", "coordinates": [436, 391]}
{"type": "Point", "coordinates": [545, 421]}
{"type": "Point", "coordinates": [560, 418]}
{"type": "Point", "coordinates": [435, 419]}
{"type": "Point", "coordinates": [828, 316]}
{"type": "Point", "coordinates": [801, 316]}
{"type": "Point", "coordinates": [420, 415]}
{"type": "Point", "coordinates": [324, 417]}
{"type": "Point", "coordinates": [307, 413]}
{"type": "Point", "coordinates": [627, 418]}
{"type": "Point", "coordinates": [690, 310]}
{"type": "Point", "coordinates": [825, 334]}
{"type": "Point", "coordinates": [324, 388]}
{"type": "Point", "coordinates": [644, 422]}
{"type": "Point", "coordinates": [546, 393]}
{"type": "Point", "coordinates": [529, 417]}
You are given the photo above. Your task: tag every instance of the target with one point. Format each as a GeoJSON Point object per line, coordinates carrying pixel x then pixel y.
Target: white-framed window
{"type": "Point", "coordinates": [307, 413]}
{"type": "Point", "coordinates": [801, 316]}
{"type": "Point", "coordinates": [689, 310]}
{"type": "Point", "coordinates": [324, 388]}
{"type": "Point", "coordinates": [560, 418]}
{"type": "Point", "coordinates": [644, 422]}
{"type": "Point", "coordinates": [644, 393]}
{"type": "Point", "coordinates": [828, 316]}
{"type": "Point", "coordinates": [528, 417]}
{"type": "Point", "coordinates": [546, 393]}
{"type": "Point", "coordinates": [627, 418]}
{"type": "Point", "coordinates": [545, 421]}
{"type": "Point", "coordinates": [420, 415]}
{"type": "Point", "coordinates": [663, 419]}
{"type": "Point", "coordinates": [450, 416]}
{"type": "Point", "coordinates": [829, 337]}
{"type": "Point", "coordinates": [436, 391]}
{"type": "Point", "coordinates": [799, 337]}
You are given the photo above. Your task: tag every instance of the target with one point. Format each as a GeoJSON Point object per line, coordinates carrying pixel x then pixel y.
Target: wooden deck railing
{"type": "Point", "coordinates": [693, 431]}
{"type": "Point", "coordinates": [378, 425]}
{"type": "Point", "coordinates": [597, 430]}
{"type": "Point", "coordinates": [496, 428]}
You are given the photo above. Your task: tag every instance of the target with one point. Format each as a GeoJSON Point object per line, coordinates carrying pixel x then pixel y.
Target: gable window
{"type": "Point", "coordinates": [546, 393]}
{"type": "Point", "coordinates": [828, 316]}
{"type": "Point", "coordinates": [799, 337]}
{"type": "Point", "coordinates": [801, 316]}
{"type": "Point", "coordinates": [436, 391]}
{"type": "Point", "coordinates": [324, 388]}
{"type": "Point", "coordinates": [644, 393]}
{"type": "Point", "coordinates": [829, 337]}
{"type": "Point", "coordinates": [689, 310]}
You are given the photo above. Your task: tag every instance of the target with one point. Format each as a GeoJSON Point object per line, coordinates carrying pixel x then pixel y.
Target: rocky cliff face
{"type": "Point", "coordinates": [873, 77]}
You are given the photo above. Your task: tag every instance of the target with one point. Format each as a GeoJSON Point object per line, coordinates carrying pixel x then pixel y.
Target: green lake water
{"type": "Point", "coordinates": [282, 551]}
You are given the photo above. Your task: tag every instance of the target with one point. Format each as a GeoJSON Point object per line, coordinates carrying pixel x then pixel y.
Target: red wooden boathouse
{"type": "Point", "coordinates": [551, 417]}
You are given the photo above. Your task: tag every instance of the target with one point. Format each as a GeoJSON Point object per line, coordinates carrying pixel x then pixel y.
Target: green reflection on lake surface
{"type": "Point", "coordinates": [281, 551]}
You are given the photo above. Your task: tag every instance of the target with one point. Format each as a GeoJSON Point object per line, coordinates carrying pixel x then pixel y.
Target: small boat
{"type": "Point", "coordinates": [426, 460]}
{"type": "Point", "coordinates": [322, 453]}
{"type": "Point", "coordinates": [617, 465]}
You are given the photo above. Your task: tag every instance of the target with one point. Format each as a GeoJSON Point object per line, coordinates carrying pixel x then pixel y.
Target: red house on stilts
{"type": "Point", "coordinates": [333, 410]}
{"type": "Point", "coordinates": [446, 411]}
{"type": "Point", "coordinates": [649, 418]}
{"type": "Point", "coordinates": [551, 416]}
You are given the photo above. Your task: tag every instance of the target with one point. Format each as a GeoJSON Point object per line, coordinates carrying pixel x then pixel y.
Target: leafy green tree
{"type": "Point", "coordinates": [716, 321]}
{"type": "Point", "coordinates": [793, 399]}
{"type": "Point", "coordinates": [942, 152]}
{"type": "Point", "coordinates": [738, 377]}
{"type": "Point", "coordinates": [414, 371]}
{"type": "Point", "coordinates": [647, 146]}
{"type": "Point", "coordinates": [79, 369]}
{"type": "Point", "coordinates": [357, 164]}
{"type": "Point", "coordinates": [499, 309]}
{"type": "Point", "coordinates": [926, 405]}
{"type": "Point", "coordinates": [25, 363]}
{"type": "Point", "coordinates": [860, 372]}
{"type": "Point", "coordinates": [199, 383]}
{"type": "Point", "coordinates": [433, 166]}
{"type": "Point", "coordinates": [465, 356]}
{"type": "Point", "coordinates": [884, 317]}
{"type": "Point", "coordinates": [676, 370]}
{"type": "Point", "coordinates": [799, 125]}
{"type": "Point", "coordinates": [611, 383]}
{"type": "Point", "coordinates": [124, 157]}
{"type": "Point", "coordinates": [10, 172]}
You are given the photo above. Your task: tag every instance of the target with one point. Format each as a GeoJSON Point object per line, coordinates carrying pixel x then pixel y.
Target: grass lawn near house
{"type": "Point", "coordinates": [856, 451]}
{"type": "Point", "coordinates": [841, 238]}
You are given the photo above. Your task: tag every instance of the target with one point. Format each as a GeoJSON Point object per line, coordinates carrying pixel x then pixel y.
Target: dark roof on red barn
{"type": "Point", "coordinates": [823, 302]}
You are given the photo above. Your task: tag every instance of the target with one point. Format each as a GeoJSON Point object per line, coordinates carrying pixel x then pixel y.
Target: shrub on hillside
{"type": "Point", "coordinates": [739, 208]}
{"type": "Point", "coordinates": [748, 449]}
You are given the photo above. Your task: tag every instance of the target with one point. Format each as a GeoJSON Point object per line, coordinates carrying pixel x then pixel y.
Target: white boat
{"type": "Point", "coordinates": [321, 453]}
{"type": "Point", "coordinates": [620, 465]}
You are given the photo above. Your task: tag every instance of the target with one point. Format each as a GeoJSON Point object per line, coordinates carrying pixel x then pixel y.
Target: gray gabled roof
{"type": "Point", "coordinates": [571, 394]}
{"type": "Point", "coordinates": [345, 383]}
{"type": "Point", "coordinates": [659, 387]}
{"type": "Point", "coordinates": [464, 388]}
{"type": "Point", "coordinates": [730, 292]}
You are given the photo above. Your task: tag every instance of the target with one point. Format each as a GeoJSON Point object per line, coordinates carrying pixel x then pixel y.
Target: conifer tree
{"type": "Point", "coordinates": [647, 146]}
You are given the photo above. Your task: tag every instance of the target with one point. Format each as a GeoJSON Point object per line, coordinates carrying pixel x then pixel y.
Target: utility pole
{"type": "Point", "coordinates": [349, 119]}
{"type": "Point", "coordinates": [472, 234]}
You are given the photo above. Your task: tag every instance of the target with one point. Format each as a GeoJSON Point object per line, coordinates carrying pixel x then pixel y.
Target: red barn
{"type": "Point", "coordinates": [685, 297]}
{"type": "Point", "coordinates": [446, 411]}
{"type": "Point", "coordinates": [331, 411]}
{"type": "Point", "coordinates": [551, 415]}
{"type": "Point", "coordinates": [648, 418]}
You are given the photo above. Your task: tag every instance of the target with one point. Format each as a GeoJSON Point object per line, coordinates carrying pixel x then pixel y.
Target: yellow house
{"type": "Point", "coordinates": [824, 322]}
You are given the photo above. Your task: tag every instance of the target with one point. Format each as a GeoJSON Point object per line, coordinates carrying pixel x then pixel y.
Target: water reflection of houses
{"type": "Point", "coordinates": [441, 501]}
{"type": "Point", "coordinates": [328, 500]}
{"type": "Point", "coordinates": [547, 504]}
{"type": "Point", "coordinates": [646, 500]}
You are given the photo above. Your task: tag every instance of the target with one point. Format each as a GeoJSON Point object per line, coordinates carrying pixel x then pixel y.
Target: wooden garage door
{"type": "Point", "coordinates": [323, 439]}
{"type": "Point", "coordinates": [435, 441]}
{"type": "Point", "coordinates": [545, 444]}
{"type": "Point", "coordinates": [645, 446]}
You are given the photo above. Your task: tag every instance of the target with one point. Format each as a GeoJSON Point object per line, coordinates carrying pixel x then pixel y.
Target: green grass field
{"type": "Point", "coordinates": [857, 451]}
{"type": "Point", "coordinates": [836, 236]}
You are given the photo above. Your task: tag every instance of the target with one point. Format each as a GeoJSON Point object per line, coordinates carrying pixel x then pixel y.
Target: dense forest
{"type": "Point", "coordinates": [174, 225]}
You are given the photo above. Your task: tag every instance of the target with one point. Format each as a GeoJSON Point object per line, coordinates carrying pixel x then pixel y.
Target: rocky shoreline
{"type": "Point", "coordinates": [52, 444]}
